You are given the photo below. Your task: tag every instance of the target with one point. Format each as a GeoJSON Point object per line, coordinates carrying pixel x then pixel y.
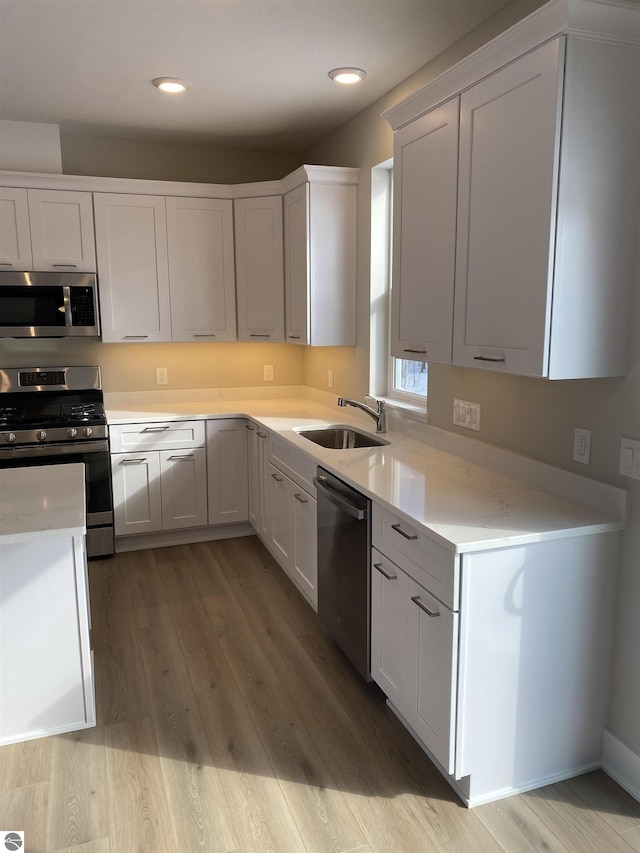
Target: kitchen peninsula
{"type": "Point", "coordinates": [46, 681]}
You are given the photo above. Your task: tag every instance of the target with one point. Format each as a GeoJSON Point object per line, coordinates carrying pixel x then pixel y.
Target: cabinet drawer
{"type": "Point", "coordinates": [296, 465]}
{"type": "Point", "coordinates": [427, 562]}
{"type": "Point", "coordinates": [157, 436]}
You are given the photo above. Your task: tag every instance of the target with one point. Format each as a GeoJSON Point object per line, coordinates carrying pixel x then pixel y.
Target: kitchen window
{"type": "Point", "coordinates": [401, 381]}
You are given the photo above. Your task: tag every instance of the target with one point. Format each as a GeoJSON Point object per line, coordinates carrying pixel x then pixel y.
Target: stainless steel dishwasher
{"type": "Point", "coordinates": [344, 577]}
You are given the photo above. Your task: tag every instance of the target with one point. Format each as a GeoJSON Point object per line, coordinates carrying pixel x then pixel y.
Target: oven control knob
{"type": "Point", "coordinates": [41, 435]}
{"type": "Point", "coordinates": [11, 436]}
{"type": "Point", "coordinates": [87, 431]}
{"type": "Point", "coordinates": [72, 433]}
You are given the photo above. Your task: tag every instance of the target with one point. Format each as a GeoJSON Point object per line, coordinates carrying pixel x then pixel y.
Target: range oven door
{"type": "Point", "coordinates": [98, 491]}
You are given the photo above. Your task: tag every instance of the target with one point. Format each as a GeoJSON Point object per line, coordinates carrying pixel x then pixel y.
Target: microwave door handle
{"type": "Point", "coordinates": [66, 295]}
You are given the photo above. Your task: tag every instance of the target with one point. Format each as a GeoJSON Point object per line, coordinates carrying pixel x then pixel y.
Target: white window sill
{"type": "Point", "coordinates": [413, 411]}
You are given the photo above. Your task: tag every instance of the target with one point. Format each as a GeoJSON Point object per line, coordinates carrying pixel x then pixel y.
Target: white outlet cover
{"type": "Point", "coordinates": [630, 458]}
{"type": "Point", "coordinates": [582, 445]}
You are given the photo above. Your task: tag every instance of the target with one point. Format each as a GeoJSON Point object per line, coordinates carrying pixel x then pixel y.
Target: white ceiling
{"type": "Point", "coordinates": [258, 68]}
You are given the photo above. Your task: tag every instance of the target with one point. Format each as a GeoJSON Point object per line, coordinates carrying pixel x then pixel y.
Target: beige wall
{"type": "Point", "coordinates": [132, 367]}
{"type": "Point", "coordinates": [530, 416]}
{"type": "Point", "coordinates": [115, 157]}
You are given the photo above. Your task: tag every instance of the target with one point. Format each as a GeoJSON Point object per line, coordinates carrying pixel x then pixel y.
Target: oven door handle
{"type": "Point", "coordinates": [39, 450]}
{"type": "Point", "coordinates": [339, 500]}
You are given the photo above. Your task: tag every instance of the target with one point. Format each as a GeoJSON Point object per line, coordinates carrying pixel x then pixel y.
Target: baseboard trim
{"type": "Point", "coordinates": [621, 763]}
{"type": "Point", "coordinates": [187, 536]}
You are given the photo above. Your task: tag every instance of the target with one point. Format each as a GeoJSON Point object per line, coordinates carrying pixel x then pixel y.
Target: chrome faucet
{"type": "Point", "coordinates": [379, 414]}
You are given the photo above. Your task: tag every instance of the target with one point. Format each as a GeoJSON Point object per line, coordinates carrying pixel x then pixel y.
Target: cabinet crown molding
{"type": "Point", "coordinates": [139, 186]}
{"type": "Point", "coordinates": [607, 20]}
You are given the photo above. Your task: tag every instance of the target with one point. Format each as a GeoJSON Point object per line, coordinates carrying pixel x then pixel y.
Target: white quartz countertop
{"type": "Point", "coordinates": [461, 504]}
{"type": "Point", "coordinates": [41, 502]}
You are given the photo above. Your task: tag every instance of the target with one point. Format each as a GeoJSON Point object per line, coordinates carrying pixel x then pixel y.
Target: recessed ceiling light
{"type": "Point", "coordinates": [347, 76]}
{"type": "Point", "coordinates": [174, 85]}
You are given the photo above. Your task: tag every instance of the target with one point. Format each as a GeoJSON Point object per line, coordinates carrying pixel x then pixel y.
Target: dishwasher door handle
{"type": "Point", "coordinates": [338, 500]}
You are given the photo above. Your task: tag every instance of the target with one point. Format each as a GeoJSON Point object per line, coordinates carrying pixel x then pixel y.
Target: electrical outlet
{"type": "Point", "coordinates": [268, 373]}
{"type": "Point", "coordinates": [162, 376]}
{"type": "Point", "coordinates": [581, 445]}
{"type": "Point", "coordinates": [466, 414]}
{"type": "Point", "coordinates": [330, 379]}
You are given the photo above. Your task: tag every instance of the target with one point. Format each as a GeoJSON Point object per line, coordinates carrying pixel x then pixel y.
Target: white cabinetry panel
{"type": "Point", "coordinates": [131, 243]}
{"type": "Point", "coordinates": [227, 470]}
{"type": "Point", "coordinates": [426, 179]}
{"type": "Point", "coordinates": [15, 236]}
{"type": "Point", "coordinates": [201, 269]}
{"type": "Point", "coordinates": [62, 234]}
{"type": "Point", "coordinates": [388, 627]}
{"type": "Point", "coordinates": [183, 479]}
{"type": "Point", "coordinates": [509, 153]}
{"type": "Point", "coordinates": [259, 268]}
{"type": "Point", "coordinates": [137, 498]}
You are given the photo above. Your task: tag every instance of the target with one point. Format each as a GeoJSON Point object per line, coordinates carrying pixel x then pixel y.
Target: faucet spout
{"type": "Point", "coordinates": [379, 414]}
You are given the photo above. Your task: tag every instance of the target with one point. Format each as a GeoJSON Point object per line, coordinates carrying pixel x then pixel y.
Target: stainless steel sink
{"type": "Point", "coordinates": [341, 437]}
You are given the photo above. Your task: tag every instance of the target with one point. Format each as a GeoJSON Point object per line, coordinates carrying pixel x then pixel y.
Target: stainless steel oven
{"type": "Point", "coordinates": [52, 416]}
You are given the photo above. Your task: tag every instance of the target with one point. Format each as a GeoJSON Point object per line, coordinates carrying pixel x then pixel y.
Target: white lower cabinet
{"type": "Point", "coordinates": [502, 684]}
{"type": "Point", "coordinates": [227, 471]}
{"type": "Point", "coordinates": [160, 483]}
{"type": "Point", "coordinates": [292, 518]}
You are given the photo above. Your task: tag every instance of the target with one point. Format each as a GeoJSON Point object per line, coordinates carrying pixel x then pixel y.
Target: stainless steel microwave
{"type": "Point", "coordinates": [48, 305]}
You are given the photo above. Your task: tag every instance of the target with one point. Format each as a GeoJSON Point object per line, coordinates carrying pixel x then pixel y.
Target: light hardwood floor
{"type": "Point", "coordinates": [227, 721]}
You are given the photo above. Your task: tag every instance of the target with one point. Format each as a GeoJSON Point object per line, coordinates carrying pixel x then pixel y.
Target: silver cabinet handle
{"type": "Point", "coordinates": [184, 456]}
{"type": "Point", "coordinates": [417, 351]}
{"type": "Point", "coordinates": [399, 530]}
{"type": "Point", "coordinates": [249, 426]}
{"type": "Point", "coordinates": [301, 499]}
{"type": "Point", "coordinates": [135, 337]}
{"type": "Point", "coordinates": [423, 606]}
{"type": "Point", "coordinates": [73, 266]}
{"type": "Point", "coordinates": [256, 335]}
{"type": "Point", "coordinates": [133, 461]}
{"type": "Point", "coordinates": [5, 264]}
{"type": "Point", "coordinates": [155, 429]}
{"type": "Point", "coordinates": [294, 337]}
{"type": "Point", "coordinates": [262, 434]}
{"type": "Point", "coordinates": [276, 478]}
{"type": "Point", "coordinates": [378, 566]}
{"type": "Point", "coordinates": [204, 334]}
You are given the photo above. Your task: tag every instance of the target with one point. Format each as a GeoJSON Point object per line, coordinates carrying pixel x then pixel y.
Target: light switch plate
{"type": "Point", "coordinates": [630, 458]}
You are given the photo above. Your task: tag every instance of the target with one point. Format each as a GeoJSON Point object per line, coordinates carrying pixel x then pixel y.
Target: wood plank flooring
{"type": "Point", "coordinates": [228, 721]}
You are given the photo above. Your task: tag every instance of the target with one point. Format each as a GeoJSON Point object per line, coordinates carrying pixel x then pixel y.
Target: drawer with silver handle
{"type": "Point", "coordinates": [175, 435]}
{"type": "Point", "coordinates": [423, 559]}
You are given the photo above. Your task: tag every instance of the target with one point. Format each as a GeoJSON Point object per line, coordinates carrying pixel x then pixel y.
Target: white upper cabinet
{"type": "Point", "coordinates": [509, 145]}
{"type": "Point", "coordinates": [15, 237]}
{"type": "Point", "coordinates": [425, 179]}
{"type": "Point", "coordinates": [62, 230]}
{"type": "Point", "coordinates": [201, 269]}
{"type": "Point", "coordinates": [131, 242]}
{"type": "Point", "coordinates": [320, 256]}
{"type": "Point", "coordinates": [46, 230]}
{"type": "Point", "coordinates": [548, 200]}
{"type": "Point", "coordinates": [259, 268]}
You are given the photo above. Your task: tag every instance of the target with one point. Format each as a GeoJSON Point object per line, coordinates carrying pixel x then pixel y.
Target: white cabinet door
{"type": "Point", "coordinates": [131, 245]}
{"type": "Point", "coordinates": [425, 180]}
{"type": "Point", "coordinates": [320, 263]}
{"type": "Point", "coordinates": [259, 268]}
{"type": "Point", "coordinates": [183, 480]}
{"type": "Point", "coordinates": [432, 659]}
{"type": "Point", "coordinates": [296, 238]}
{"type": "Point", "coordinates": [227, 471]}
{"type": "Point", "coordinates": [137, 501]}
{"type": "Point", "coordinates": [304, 552]}
{"type": "Point", "coordinates": [281, 520]}
{"type": "Point", "coordinates": [388, 628]}
{"type": "Point", "coordinates": [509, 150]}
{"type": "Point", "coordinates": [15, 236]}
{"type": "Point", "coordinates": [201, 269]}
{"type": "Point", "coordinates": [62, 235]}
